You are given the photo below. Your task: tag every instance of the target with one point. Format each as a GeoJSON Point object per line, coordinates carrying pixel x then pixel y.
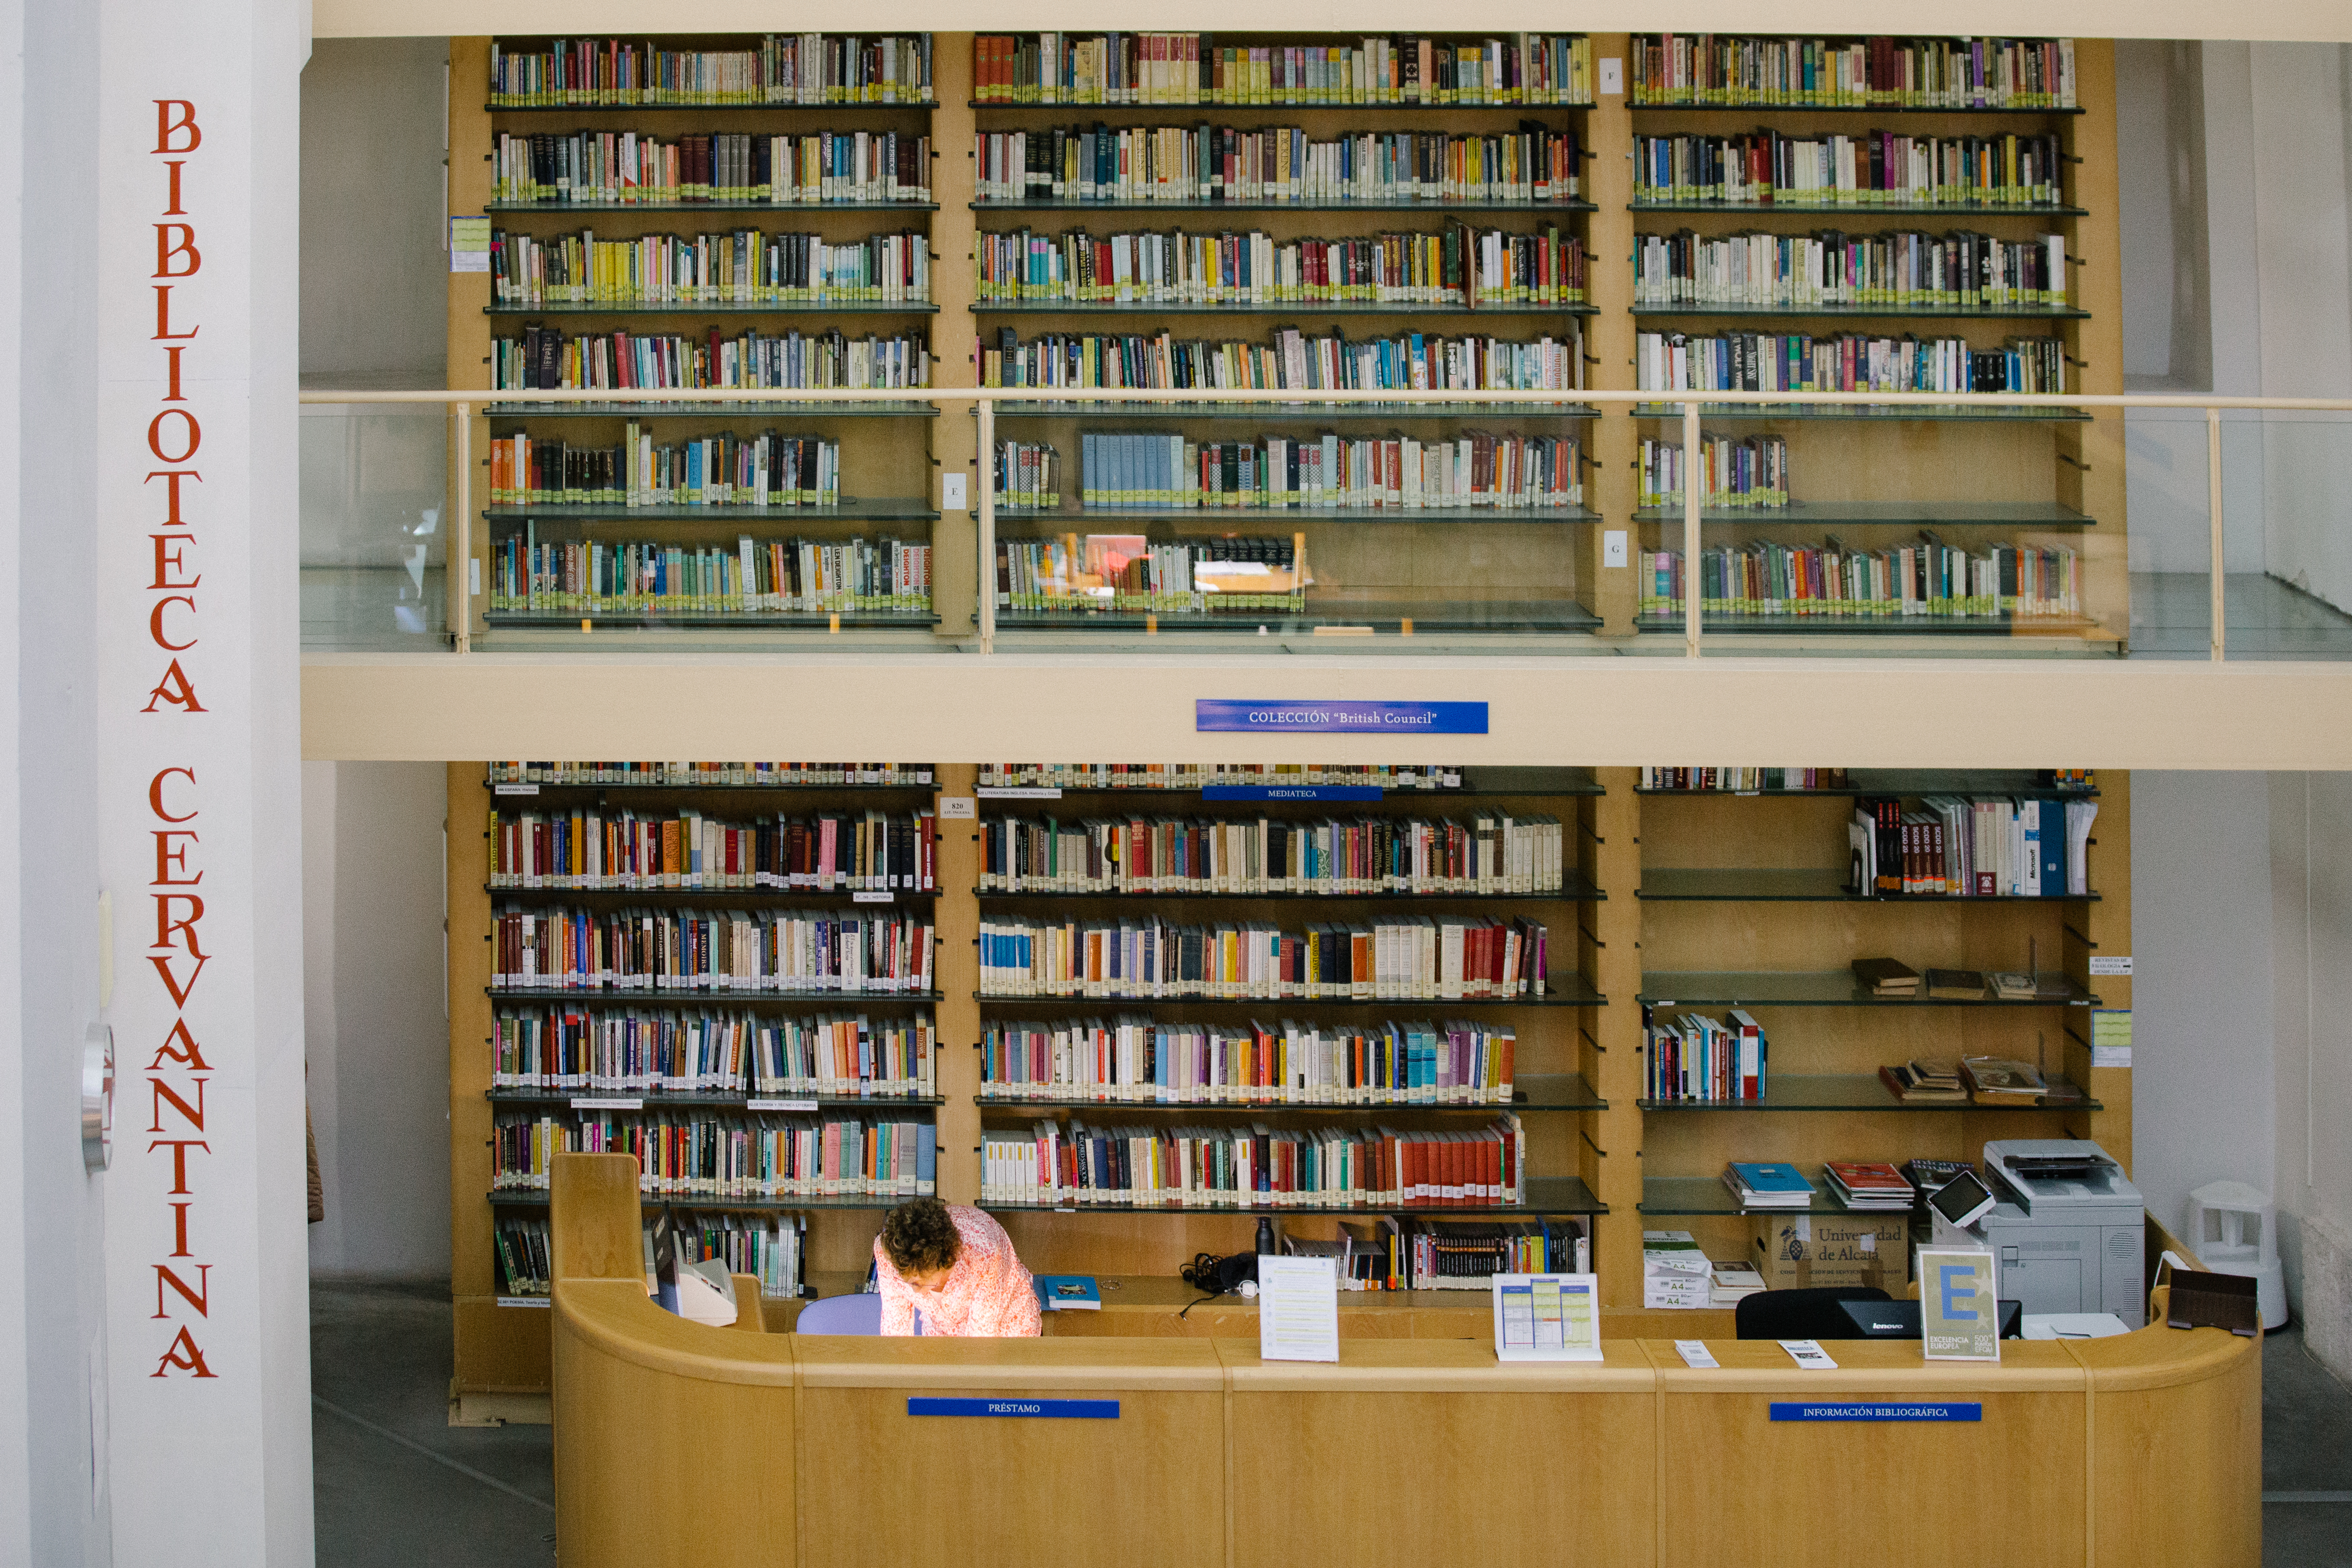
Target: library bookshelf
{"type": "Point", "coordinates": [1677, 901]}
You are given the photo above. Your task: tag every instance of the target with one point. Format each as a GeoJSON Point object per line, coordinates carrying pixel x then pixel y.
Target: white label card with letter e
{"type": "Point", "coordinates": [1959, 1317]}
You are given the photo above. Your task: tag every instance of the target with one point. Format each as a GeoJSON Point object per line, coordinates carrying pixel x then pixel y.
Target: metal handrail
{"type": "Point", "coordinates": [986, 398]}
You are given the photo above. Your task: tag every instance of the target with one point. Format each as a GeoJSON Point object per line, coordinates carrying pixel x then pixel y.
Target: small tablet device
{"type": "Point", "coordinates": [1963, 1200]}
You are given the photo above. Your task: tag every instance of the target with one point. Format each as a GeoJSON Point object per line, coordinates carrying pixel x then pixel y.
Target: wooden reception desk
{"type": "Point", "coordinates": [679, 1444]}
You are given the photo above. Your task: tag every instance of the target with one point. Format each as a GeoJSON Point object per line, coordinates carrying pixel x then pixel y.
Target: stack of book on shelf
{"type": "Point", "coordinates": [1674, 1273]}
{"type": "Point", "coordinates": [1886, 977]}
{"type": "Point", "coordinates": [1869, 1186]}
{"type": "Point", "coordinates": [2004, 1080]}
{"type": "Point", "coordinates": [1741, 781]}
{"type": "Point", "coordinates": [1466, 1255]}
{"type": "Point", "coordinates": [1696, 1058]}
{"type": "Point", "coordinates": [690, 1154]}
{"type": "Point", "coordinates": [1134, 1058]}
{"type": "Point", "coordinates": [2033, 846]}
{"type": "Point", "coordinates": [1767, 1184]}
{"type": "Point", "coordinates": [1958, 984]}
{"type": "Point", "coordinates": [1916, 1082]}
{"type": "Point", "coordinates": [1732, 1282]}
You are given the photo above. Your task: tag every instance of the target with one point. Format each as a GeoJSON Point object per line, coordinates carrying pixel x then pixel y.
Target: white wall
{"type": "Point", "coordinates": [2311, 879]}
{"type": "Point", "coordinates": [375, 263]}
{"type": "Point", "coordinates": [375, 1003]}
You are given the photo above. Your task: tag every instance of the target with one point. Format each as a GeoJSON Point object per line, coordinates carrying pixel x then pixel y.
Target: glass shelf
{"type": "Point", "coordinates": [773, 308]}
{"type": "Point", "coordinates": [517, 405]}
{"type": "Point", "coordinates": [1802, 988]}
{"type": "Point", "coordinates": [1437, 204]}
{"type": "Point", "coordinates": [1546, 1195]}
{"type": "Point", "coordinates": [730, 206]}
{"type": "Point", "coordinates": [1638, 105]}
{"type": "Point", "coordinates": [714, 895]}
{"type": "Point", "coordinates": [1427, 617]}
{"type": "Point", "coordinates": [1571, 992]}
{"type": "Point", "coordinates": [1576, 892]}
{"type": "Point", "coordinates": [847, 511]}
{"type": "Point", "coordinates": [1896, 513]}
{"type": "Point", "coordinates": [623, 620]}
{"type": "Point", "coordinates": [1846, 1092]}
{"type": "Point", "coordinates": [1939, 312]}
{"type": "Point", "coordinates": [655, 1099]}
{"type": "Point", "coordinates": [1707, 1195]}
{"type": "Point", "coordinates": [1926, 411]}
{"type": "Point", "coordinates": [1857, 209]}
{"type": "Point", "coordinates": [706, 108]}
{"type": "Point", "coordinates": [765, 1001]}
{"type": "Point", "coordinates": [1182, 406]}
{"type": "Point", "coordinates": [538, 1200]}
{"type": "Point", "coordinates": [1269, 308]}
{"type": "Point", "coordinates": [1100, 518]}
{"type": "Point", "coordinates": [1874, 625]}
{"type": "Point", "coordinates": [1474, 782]}
{"type": "Point", "coordinates": [1909, 783]}
{"type": "Point", "coordinates": [1808, 884]}
{"type": "Point", "coordinates": [1536, 1091]}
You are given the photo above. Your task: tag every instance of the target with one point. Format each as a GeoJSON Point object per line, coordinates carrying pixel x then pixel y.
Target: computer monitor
{"type": "Point", "coordinates": [1900, 1321]}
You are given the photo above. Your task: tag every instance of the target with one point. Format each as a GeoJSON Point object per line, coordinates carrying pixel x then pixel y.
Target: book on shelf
{"type": "Point", "coordinates": [595, 847]}
{"type": "Point", "coordinates": [808, 952]}
{"type": "Point", "coordinates": [1868, 1184]}
{"type": "Point", "coordinates": [738, 267]}
{"type": "Point", "coordinates": [1874, 170]}
{"type": "Point", "coordinates": [1028, 476]}
{"type": "Point", "coordinates": [1135, 1059]}
{"type": "Point", "coordinates": [652, 1051]}
{"type": "Point", "coordinates": [1920, 584]}
{"type": "Point", "coordinates": [1833, 270]}
{"type": "Point", "coordinates": [698, 775]}
{"type": "Point", "coordinates": [586, 576]}
{"type": "Point", "coordinates": [1290, 360]}
{"type": "Point", "coordinates": [2012, 985]}
{"type": "Point", "coordinates": [769, 470]}
{"type": "Point", "coordinates": [1255, 1166]}
{"type": "Point", "coordinates": [1927, 1176]}
{"type": "Point", "coordinates": [2003, 1081]}
{"type": "Point", "coordinates": [1128, 574]}
{"type": "Point", "coordinates": [600, 168]}
{"type": "Point", "coordinates": [1747, 473]}
{"type": "Point", "coordinates": [1924, 1083]}
{"type": "Point", "coordinates": [2031, 846]}
{"type": "Point", "coordinates": [1396, 958]}
{"type": "Point", "coordinates": [1731, 1282]}
{"type": "Point", "coordinates": [1473, 469]}
{"type": "Point", "coordinates": [688, 1153]}
{"type": "Point", "coordinates": [1418, 777]}
{"type": "Point", "coordinates": [1691, 1057]}
{"type": "Point", "coordinates": [1767, 1184]}
{"type": "Point", "coordinates": [1958, 984]}
{"type": "Point", "coordinates": [1723, 69]}
{"type": "Point", "coordinates": [1741, 781]}
{"type": "Point", "coordinates": [549, 358]}
{"type": "Point", "coordinates": [1676, 1273]}
{"type": "Point", "coordinates": [785, 67]}
{"type": "Point", "coordinates": [1466, 1255]}
{"type": "Point", "coordinates": [1067, 1293]}
{"type": "Point", "coordinates": [1670, 363]}
{"type": "Point", "coordinates": [525, 1263]}
{"type": "Point", "coordinates": [1191, 67]}
{"type": "Point", "coordinates": [1886, 976]}
{"type": "Point", "coordinates": [1495, 852]}
{"type": "Point", "coordinates": [1533, 165]}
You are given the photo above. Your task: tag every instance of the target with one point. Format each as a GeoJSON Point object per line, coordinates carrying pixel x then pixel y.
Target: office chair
{"type": "Point", "coordinates": [859, 1314]}
{"type": "Point", "coordinates": [1802, 1314]}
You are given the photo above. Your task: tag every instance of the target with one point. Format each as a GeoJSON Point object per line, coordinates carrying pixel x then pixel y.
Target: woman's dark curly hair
{"type": "Point", "coordinates": [919, 1237]}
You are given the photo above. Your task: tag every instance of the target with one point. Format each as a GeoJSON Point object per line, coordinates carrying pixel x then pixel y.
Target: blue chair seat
{"type": "Point", "coordinates": [859, 1314]}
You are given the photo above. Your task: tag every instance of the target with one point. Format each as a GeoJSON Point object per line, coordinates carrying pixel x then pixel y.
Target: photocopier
{"type": "Point", "coordinates": [2068, 1230]}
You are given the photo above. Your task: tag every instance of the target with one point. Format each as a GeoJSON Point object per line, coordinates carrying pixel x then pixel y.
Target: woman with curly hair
{"type": "Point", "coordinates": [955, 1266]}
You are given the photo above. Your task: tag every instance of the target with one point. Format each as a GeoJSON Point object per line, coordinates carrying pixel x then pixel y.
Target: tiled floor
{"type": "Point", "coordinates": [2306, 1459]}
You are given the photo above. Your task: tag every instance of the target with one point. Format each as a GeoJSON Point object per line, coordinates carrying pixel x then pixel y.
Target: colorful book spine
{"type": "Point", "coordinates": [1460, 268]}
{"type": "Point", "coordinates": [738, 267]}
{"type": "Point", "coordinates": [785, 69]}
{"type": "Point", "coordinates": [605, 168]}
{"type": "Point", "coordinates": [1152, 68]}
{"type": "Point", "coordinates": [1830, 269]}
{"type": "Point", "coordinates": [845, 953]}
{"type": "Point", "coordinates": [1928, 581]}
{"type": "Point", "coordinates": [1328, 858]}
{"type": "Point", "coordinates": [1289, 360]}
{"type": "Point", "coordinates": [1278, 166]}
{"type": "Point", "coordinates": [685, 1155]}
{"type": "Point", "coordinates": [656, 1051]}
{"type": "Point", "coordinates": [1135, 1059]}
{"type": "Point", "coordinates": [1722, 70]}
{"type": "Point", "coordinates": [1394, 958]}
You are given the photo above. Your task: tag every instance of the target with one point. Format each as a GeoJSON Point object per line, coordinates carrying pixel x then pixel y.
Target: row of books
{"type": "Point", "coordinates": [1394, 958]}
{"type": "Point", "coordinates": [1865, 1186]}
{"type": "Point", "coordinates": [773, 952]}
{"type": "Point", "coordinates": [1975, 1080]}
{"type": "Point", "coordinates": [1928, 580]}
{"type": "Point", "coordinates": [1459, 265]}
{"type": "Point", "coordinates": [1872, 169]}
{"type": "Point", "coordinates": [660, 1050]}
{"type": "Point", "coordinates": [691, 774]}
{"type": "Point", "coordinates": [1027, 475]}
{"type": "Point", "coordinates": [1195, 67]}
{"type": "Point", "coordinates": [1276, 165]}
{"type": "Point", "coordinates": [1496, 852]}
{"type": "Point", "coordinates": [632, 851]}
{"type": "Point", "coordinates": [1212, 775]}
{"type": "Point", "coordinates": [1475, 468]}
{"type": "Point", "coordinates": [1466, 1255]}
{"type": "Point", "coordinates": [722, 1157]}
{"type": "Point", "coordinates": [1127, 574]}
{"type": "Point", "coordinates": [1747, 472]}
{"type": "Point", "coordinates": [1072, 1164]}
{"type": "Point", "coordinates": [586, 576]}
{"type": "Point", "coordinates": [598, 168]}
{"type": "Point", "coordinates": [1852, 73]}
{"type": "Point", "coordinates": [1903, 270]}
{"type": "Point", "coordinates": [1137, 1059]}
{"type": "Point", "coordinates": [1290, 360]}
{"type": "Point", "coordinates": [1689, 1056]}
{"type": "Point", "coordinates": [786, 67]}
{"type": "Point", "coordinates": [1797, 362]}
{"type": "Point", "coordinates": [1740, 781]}
{"type": "Point", "coordinates": [1676, 1275]}
{"type": "Point", "coordinates": [543, 356]}
{"type": "Point", "coordinates": [1972, 846]}
{"type": "Point", "coordinates": [739, 267]}
{"type": "Point", "coordinates": [526, 1262]}
{"type": "Point", "coordinates": [723, 469]}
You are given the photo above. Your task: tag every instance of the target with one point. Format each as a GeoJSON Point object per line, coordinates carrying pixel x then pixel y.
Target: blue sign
{"type": "Point", "coordinates": [1874, 1411]}
{"type": "Point", "coordinates": [1310, 718]}
{"type": "Point", "coordinates": [1030, 1409]}
{"type": "Point", "coordinates": [1290, 791]}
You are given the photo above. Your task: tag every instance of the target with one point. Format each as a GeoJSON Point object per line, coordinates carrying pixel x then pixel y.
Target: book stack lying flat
{"type": "Point", "coordinates": [1872, 1186]}
{"type": "Point", "coordinates": [2001, 1080]}
{"type": "Point", "coordinates": [1929, 1175]}
{"type": "Point", "coordinates": [1957, 984]}
{"type": "Point", "coordinates": [1675, 1272]}
{"type": "Point", "coordinates": [2010, 985]}
{"type": "Point", "coordinates": [1916, 1082]}
{"type": "Point", "coordinates": [1730, 1282]}
{"type": "Point", "coordinates": [1885, 977]}
{"type": "Point", "coordinates": [1767, 1184]}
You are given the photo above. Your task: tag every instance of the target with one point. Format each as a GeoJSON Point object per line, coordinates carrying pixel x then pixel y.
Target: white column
{"type": "Point", "coordinates": [195, 705]}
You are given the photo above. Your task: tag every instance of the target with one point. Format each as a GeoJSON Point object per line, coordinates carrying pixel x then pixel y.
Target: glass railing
{"type": "Point", "coordinates": [1406, 522]}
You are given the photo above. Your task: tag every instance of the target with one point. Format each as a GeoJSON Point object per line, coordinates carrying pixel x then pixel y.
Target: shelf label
{"type": "Point", "coordinates": [581, 1102]}
{"type": "Point", "coordinates": [1291, 792]}
{"type": "Point", "coordinates": [514, 789]}
{"type": "Point", "coordinates": [2111, 963]}
{"type": "Point", "coordinates": [526, 1302]}
{"type": "Point", "coordinates": [469, 245]}
{"type": "Point", "coordinates": [864, 896]}
{"type": "Point", "coordinates": [1214, 714]}
{"type": "Point", "coordinates": [1019, 1409]}
{"type": "Point", "coordinates": [1011, 792]}
{"type": "Point", "coordinates": [1875, 1410]}
{"type": "Point", "coordinates": [958, 806]}
{"type": "Point", "coordinates": [779, 1105]}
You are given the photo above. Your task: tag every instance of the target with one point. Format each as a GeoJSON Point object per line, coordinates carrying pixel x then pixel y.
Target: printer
{"type": "Point", "coordinates": [2068, 1228]}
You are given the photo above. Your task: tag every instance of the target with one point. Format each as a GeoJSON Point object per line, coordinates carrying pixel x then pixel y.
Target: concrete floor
{"type": "Point", "coordinates": [398, 1486]}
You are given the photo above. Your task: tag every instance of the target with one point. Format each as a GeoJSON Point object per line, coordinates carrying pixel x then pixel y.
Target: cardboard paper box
{"type": "Point", "coordinates": [1797, 1251]}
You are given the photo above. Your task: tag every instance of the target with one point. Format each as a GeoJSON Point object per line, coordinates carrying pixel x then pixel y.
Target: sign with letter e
{"type": "Point", "coordinates": [1959, 1318]}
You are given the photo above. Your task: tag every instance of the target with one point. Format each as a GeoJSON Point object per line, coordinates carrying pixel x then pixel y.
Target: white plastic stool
{"type": "Point", "coordinates": [2234, 1228]}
